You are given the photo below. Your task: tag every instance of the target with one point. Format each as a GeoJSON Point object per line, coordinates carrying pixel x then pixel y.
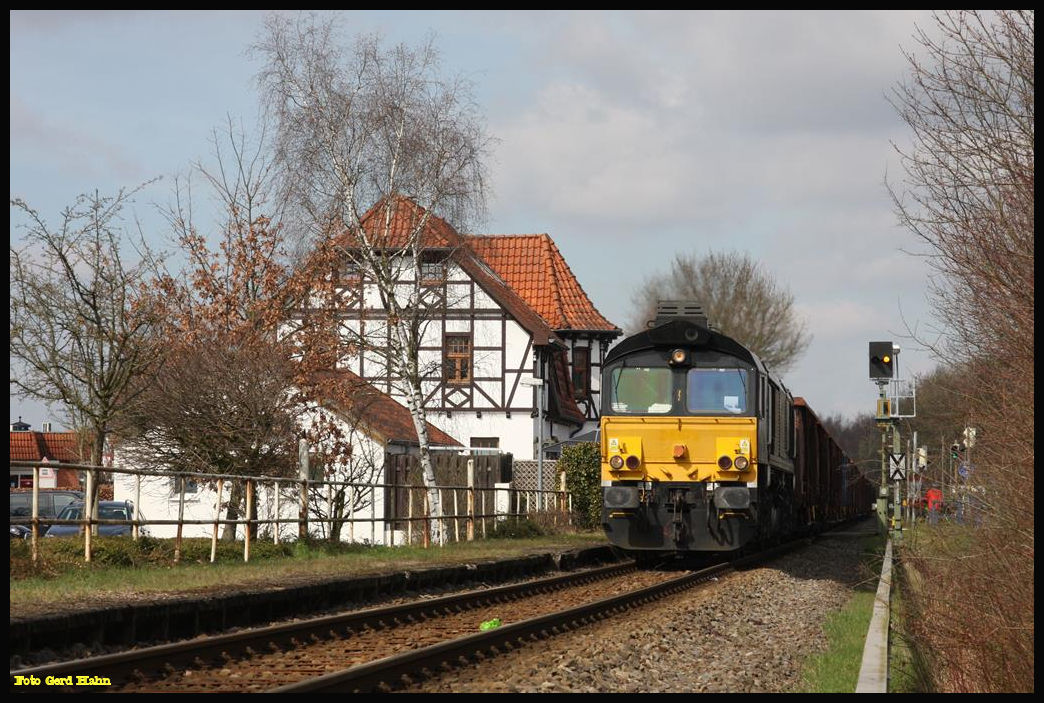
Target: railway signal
{"type": "Point", "coordinates": [882, 360]}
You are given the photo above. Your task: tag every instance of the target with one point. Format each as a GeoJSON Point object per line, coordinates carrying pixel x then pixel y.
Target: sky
{"type": "Point", "coordinates": [626, 136]}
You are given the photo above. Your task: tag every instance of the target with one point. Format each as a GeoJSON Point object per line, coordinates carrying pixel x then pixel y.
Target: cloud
{"type": "Point", "coordinates": [36, 135]}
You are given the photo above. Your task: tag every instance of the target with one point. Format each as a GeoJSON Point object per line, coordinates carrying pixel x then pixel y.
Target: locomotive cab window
{"type": "Point", "coordinates": [719, 391]}
{"type": "Point", "coordinates": [640, 390]}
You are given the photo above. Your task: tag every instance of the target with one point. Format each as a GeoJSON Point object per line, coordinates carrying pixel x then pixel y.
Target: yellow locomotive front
{"type": "Point", "coordinates": [680, 441]}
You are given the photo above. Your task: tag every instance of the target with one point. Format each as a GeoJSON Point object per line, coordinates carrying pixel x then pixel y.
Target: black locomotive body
{"type": "Point", "coordinates": [705, 450]}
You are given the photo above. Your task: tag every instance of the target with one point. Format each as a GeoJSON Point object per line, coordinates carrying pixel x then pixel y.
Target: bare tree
{"type": "Point", "coordinates": [968, 191]}
{"type": "Point", "coordinates": [235, 394]}
{"type": "Point", "coordinates": [967, 195]}
{"type": "Point", "coordinates": [78, 335]}
{"type": "Point", "coordinates": [379, 131]}
{"type": "Point", "coordinates": [741, 300]}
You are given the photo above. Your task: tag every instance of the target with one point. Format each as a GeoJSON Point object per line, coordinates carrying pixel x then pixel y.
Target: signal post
{"type": "Point", "coordinates": [893, 463]}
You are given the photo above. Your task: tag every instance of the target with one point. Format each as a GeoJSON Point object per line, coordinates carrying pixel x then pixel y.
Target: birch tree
{"type": "Point", "coordinates": [361, 128]}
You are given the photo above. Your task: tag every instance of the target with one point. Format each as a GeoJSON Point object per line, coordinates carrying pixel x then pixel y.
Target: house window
{"type": "Point", "coordinates": [581, 372]}
{"type": "Point", "coordinates": [485, 445]}
{"type": "Point", "coordinates": [457, 358]}
{"type": "Point", "coordinates": [191, 485]}
{"type": "Point", "coordinates": [433, 272]}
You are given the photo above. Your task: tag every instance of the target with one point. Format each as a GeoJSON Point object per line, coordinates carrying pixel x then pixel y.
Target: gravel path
{"type": "Point", "coordinates": [750, 635]}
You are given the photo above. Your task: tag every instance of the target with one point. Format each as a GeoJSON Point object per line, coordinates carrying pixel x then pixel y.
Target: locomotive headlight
{"type": "Point", "coordinates": [633, 462]}
{"type": "Point", "coordinates": [678, 356]}
{"type": "Point", "coordinates": [616, 461]}
{"type": "Point", "coordinates": [741, 463]}
{"type": "Point", "coordinates": [725, 462]}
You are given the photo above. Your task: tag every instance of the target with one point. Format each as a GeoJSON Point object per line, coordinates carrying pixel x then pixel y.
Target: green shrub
{"type": "Point", "coordinates": [582, 464]}
{"type": "Point", "coordinates": [516, 529]}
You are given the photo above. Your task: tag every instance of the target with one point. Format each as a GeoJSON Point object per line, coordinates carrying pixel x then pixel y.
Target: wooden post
{"type": "Point", "coordinates": [137, 506]}
{"type": "Point", "coordinates": [249, 520]}
{"type": "Point", "coordinates": [181, 516]}
{"type": "Point", "coordinates": [471, 500]}
{"type": "Point", "coordinates": [426, 539]}
{"type": "Point", "coordinates": [275, 525]}
{"type": "Point", "coordinates": [456, 518]}
{"type": "Point", "coordinates": [35, 525]}
{"type": "Point", "coordinates": [217, 516]}
{"type": "Point", "coordinates": [351, 514]}
{"type": "Point", "coordinates": [483, 514]}
{"type": "Point", "coordinates": [330, 509]}
{"type": "Point", "coordinates": [302, 515]}
{"type": "Point", "coordinates": [409, 517]}
{"type": "Point", "coordinates": [87, 506]}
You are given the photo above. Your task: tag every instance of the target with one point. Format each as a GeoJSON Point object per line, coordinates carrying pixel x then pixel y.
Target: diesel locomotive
{"type": "Point", "coordinates": [703, 449]}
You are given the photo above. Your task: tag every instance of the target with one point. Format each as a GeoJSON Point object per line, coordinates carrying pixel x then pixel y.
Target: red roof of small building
{"type": "Point", "coordinates": [381, 414]}
{"type": "Point", "coordinates": [535, 269]}
{"type": "Point", "coordinates": [54, 446]}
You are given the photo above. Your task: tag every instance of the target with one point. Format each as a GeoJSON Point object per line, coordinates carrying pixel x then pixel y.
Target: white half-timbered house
{"type": "Point", "coordinates": [501, 311]}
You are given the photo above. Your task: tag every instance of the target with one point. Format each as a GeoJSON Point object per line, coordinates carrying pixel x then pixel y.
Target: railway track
{"type": "Point", "coordinates": [379, 648]}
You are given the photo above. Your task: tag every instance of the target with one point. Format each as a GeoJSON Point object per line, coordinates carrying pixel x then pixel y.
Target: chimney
{"type": "Point", "coordinates": [46, 427]}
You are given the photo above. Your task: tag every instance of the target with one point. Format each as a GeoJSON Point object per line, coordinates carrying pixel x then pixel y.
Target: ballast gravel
{"type": "Point", "coordinates": [750, 633]}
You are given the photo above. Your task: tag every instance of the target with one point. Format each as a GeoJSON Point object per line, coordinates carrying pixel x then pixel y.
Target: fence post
{"type": "Point", "coordinates": [249, 520]}
{"type": "Point", "coordinates": [456, 518]}
{"type": "Point", "coordinates": [302, 515]}
{"type": "Point", "coordinates": [351, 514]}
{"type": "Point", "coordinates": [471, 500]}
{"type": "Point", "coordinates": [330, 509]}
{"type": "Point", "coordinates": [217, 516]}
{"type": "Point", "coordinates": [409, 516]}
{"type": "Point", "coordinates": [275, 525]}
{"type": "Point", "coordinates": [137, 506]}
{"type": "Point", "coordinates": [181, 516]}
{"type": "Point", "coordinates": [36, 516]}
{"type": "Point", "coordinates": [483, 493]}
{"type": "Point", "coordinates": [426, 540]}
{"type": "Point", "coordinates": [88, 504]}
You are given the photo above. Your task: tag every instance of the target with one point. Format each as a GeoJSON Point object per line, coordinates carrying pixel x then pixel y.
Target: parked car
{"type": "Point", "coordinates": [51, 502]}
{"type": "Point", "coordinates": [21, 532]}
{"type": "Point", "coordinates": [107, 510]}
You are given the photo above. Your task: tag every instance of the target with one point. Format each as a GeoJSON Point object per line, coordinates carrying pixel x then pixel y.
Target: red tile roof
{"type": "Point", "coordinates": [390, 225]}
{"type": "Point", "coordinates": [55, 446]}
{"type": "Point", "coordinates": [532, 265]}
{"type": "Point", "coordinates": [391, 222]}
{"type": "Point", "coordinates": [377, 411]}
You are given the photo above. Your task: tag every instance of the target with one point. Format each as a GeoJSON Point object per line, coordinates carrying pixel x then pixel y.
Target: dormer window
{"type": "Point", "coordinates": [581, 372]}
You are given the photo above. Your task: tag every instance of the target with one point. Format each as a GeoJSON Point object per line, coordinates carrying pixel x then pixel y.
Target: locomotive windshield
{"type": "Point", "coordinates": [717, 390]}
{"type": "Point", "coordinates": [640, 390]}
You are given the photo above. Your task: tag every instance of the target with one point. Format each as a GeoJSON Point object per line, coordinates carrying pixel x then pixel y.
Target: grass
{"type": "Point", "coordinates": [836, 670]}
{"type": "Point", "coordinates": [908, 672]}
{"type": "Point", "coordinates": [122, 567]}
